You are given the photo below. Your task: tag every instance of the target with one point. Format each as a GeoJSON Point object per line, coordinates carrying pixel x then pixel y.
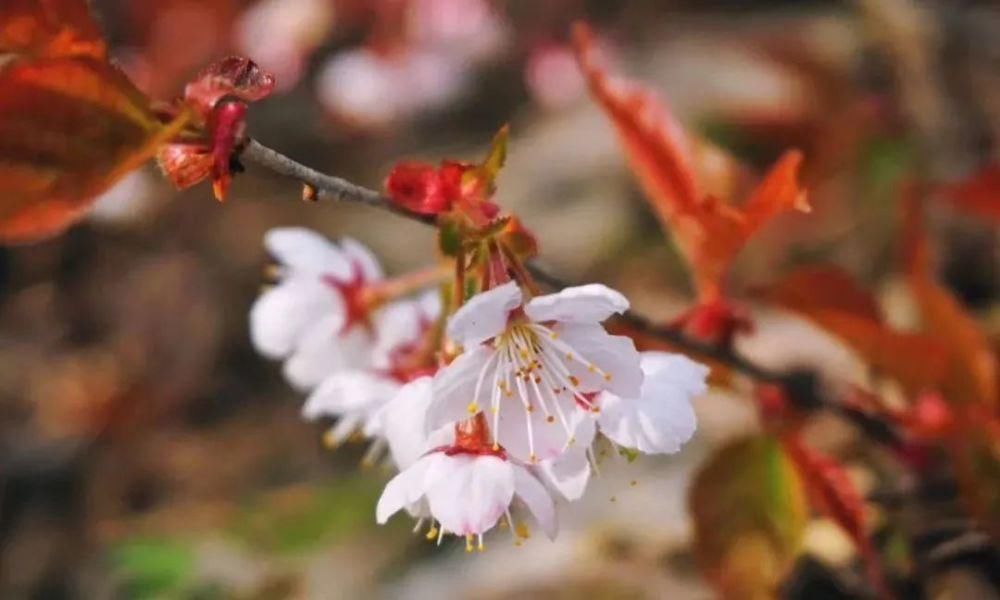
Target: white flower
{"type": "Point", "coordinates": [535, 368]}
{"type": "Point", "coordinates": [316, 317]}
{"type": "Point", "coordinates": [468, 491]}
{"type": "Point", "coordinates": [398, 355]}
{"type": "Point", "coordinates": [660, 418]}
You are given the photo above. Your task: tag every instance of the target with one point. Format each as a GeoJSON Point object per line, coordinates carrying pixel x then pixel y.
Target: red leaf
{"type": "Point", "coordinates": [832, 493]}
{"type": "Point", "coordinates": [234, 76]}
{"type": "Point", "coordinates": [69, 128]}
{"type": "Point", "coordinates": [979, 194]}
{"type": "Point", "coordinates": [834, 301]}
{"type": "Point", "coordinates": [709, 231]}
{"type": "Point", "coordinates": [971, 375]}
{"type": "Point", "coordinates": [49, 28]}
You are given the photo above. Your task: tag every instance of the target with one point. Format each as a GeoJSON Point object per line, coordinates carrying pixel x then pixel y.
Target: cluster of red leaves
{"type": "Point", "coordinates": [948, 370]}
{"type": "Point", "coordinates": [72, 124]}
{"type": "Point", "coordinates": [218, 97]}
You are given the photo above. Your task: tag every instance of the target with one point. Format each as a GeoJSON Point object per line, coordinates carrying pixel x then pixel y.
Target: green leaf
{"type": "Point", "coordinates": [449, 236]}
{"type": "Point", "coordinates": [301, 519]}
{"type": "Point", "coordinates": [749, 511]}
{"type": "Point", "coordinates": [154, 567]}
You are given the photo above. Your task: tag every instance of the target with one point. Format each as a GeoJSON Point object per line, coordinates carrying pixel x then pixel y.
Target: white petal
{"type": "Point", "coordinates": [362, 257]}
{"type": "Point", "coordinates": [325, 350]}
{"type": "Point", "coordinates": [661, 419]}
{"type": "Point", "coordinates": [485, 315]}
{"type": "Point", "coordinates": [455, 386]}
{"type": "Point", "coordinates": [569, 473]}
{"type": "Point", "coordinates": [281, 315]}
{"type": "Point", "coordinates": [549, 439]}
{"type": "Point", "coordinates": [352, 391]}
{"type": "Point", "coordinates": [591, 303]}
{"type": "Point", "coordinates": [476, 492]}
{"type": "Point", "coordinates": [614, 355]}
{"type": "Point", "coordinates": [404, 489]}
{"type": "Point", "coordinates": [537, 499]}
{"type": "Point", "coordinates": [306, 251]}
{"type": "Point", "coordinates": [402, 421]}
{"type": "Point", "coordinates": [680, 370]}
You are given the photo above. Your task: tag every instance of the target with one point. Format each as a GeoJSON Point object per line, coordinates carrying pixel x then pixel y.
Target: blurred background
{"type": "Point", "coordinates": [147, 452]}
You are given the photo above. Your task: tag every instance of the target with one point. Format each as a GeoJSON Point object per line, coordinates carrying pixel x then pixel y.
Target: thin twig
{"type": "Point", "coordinates": [327, 186]}
{"type": "Point", "coordinates": [801, 386]}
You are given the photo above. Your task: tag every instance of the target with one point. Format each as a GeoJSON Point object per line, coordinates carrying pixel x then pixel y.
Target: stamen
{"type": "Point", "coordinates": [432, 532]}
{"type": "Point", "coordinates": [468, 543]}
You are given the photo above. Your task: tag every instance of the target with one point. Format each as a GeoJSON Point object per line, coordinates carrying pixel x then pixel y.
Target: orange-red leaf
{"type": "Point", "coordinates": [971, 376]}
{"type": "Point", "coordinates": [834, 301]}
{"type": "Point", "coordinates": [979, 194]}
{"type": "Point", "coordinates": [709, 231]}
{"type": "Point", "coordinates": [69, 128]}
{"type": "Point", "coordinates": [832, 493]}
{"type": "Point", "coordinates": [49, 28]}
{"type": "Point", "coordinates": [825, 287]}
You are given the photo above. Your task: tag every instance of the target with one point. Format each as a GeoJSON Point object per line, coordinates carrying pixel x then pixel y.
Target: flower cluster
{"type": "Point", "coordinates": [489, 407]}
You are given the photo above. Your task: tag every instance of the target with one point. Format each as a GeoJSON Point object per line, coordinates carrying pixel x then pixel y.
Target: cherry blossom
{"type": "Point", "coordinates": [318, 318]}
{"type": "Point", "coordinates": [468, 486]}
{"type": "Point", "coordinates": [399, 354]}
{"type": "Point", "coordinates": [536, 367]}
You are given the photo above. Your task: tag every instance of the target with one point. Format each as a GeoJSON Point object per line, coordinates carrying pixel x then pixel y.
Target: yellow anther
{"type": "Point", "coordinates": [607, 377]}
{"type": "Point", "coordinates": [521, 530]}
{"type": "Point", "coordinates": [480, 547]}
{"type": "Point", "coordinates": [573, 379]}
{"type": "Point", "coordinates": [591, 369]}
{"type": "Point", "coordinates": [472, 408]}
{"type": "Point", "coordinates": [329, 440]}
{"type": "Point", "coordinates": [532, 458]}
{"type": "Point", "coordinates": [468, 543]}
{"type": "Point", "coordinates": [550, 419]}
{"type": "Point", "coordinates": [432, 533]}
{"type": "Point", "coordinates": [530, 408]}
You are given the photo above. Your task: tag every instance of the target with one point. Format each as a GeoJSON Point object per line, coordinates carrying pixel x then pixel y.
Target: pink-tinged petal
{"type": "Point", "coordinates": [484, 316]}
{"type": "Point", "coordinates": [324, 350]}
{"type": "Point", "coordinates": [471, 499]}
{"type": "Point", "coordinates": [396, 325]}
{"type": "Point", "coordinates": [405, 489]}
{"type": "Point", "coordinates": [306, 251]}
{"type": "Point", "coordinates": [590, 303]}
{"type": "Point", "coordinates": [402, 422]}
{"type": "Point", "coordinates": [361, 257]}
{"type": "Point", "coordinates": [661, 419]}
{"type": "Point", "coordinates": [455, 386]}
{"type": "Point", "coordinates": [352, 391]}
{"type": "Point", "coordinates": [282, 314]}
{"type": "Point", "coordinates": [617, 362]}
{"type": "Point", "coordinates": [430, 304]}
{"type": "Point", "coordinates": [534, 495]}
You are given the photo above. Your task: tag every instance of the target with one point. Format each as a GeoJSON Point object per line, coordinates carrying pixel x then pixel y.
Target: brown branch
{"type": "Point", "coordinates": [802, 386]}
